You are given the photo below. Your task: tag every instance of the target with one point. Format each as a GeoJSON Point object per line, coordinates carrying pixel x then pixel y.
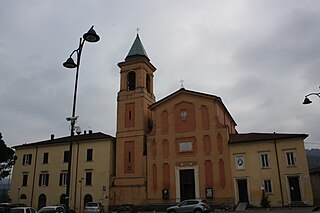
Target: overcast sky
{"type": "Point", "coordinates": [260, 57]}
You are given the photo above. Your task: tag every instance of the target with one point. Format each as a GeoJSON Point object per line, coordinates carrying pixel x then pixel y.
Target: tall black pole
{"type": "Point", "coordinates": [73, 121]}
{"type": "Point", "coordinates": [90, 36]}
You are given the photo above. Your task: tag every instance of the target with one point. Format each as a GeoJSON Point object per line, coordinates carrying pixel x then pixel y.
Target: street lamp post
{"type": "Point", "coordinates": [307, 100]}
{"type": "Point", "coordinates": [90, 36]}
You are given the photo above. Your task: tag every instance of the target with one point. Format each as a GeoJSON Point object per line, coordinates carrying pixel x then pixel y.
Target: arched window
{"type": "Point", "coordinates": [23, 197]}
{"type": "Point", "coordinates": [42, 201]}
{"type": "Point", "coordinates": [87, 198]}
{"type": "Point", "coordinates": [148, 86]}
{"type": "Point", "coordinates": [131, 80]}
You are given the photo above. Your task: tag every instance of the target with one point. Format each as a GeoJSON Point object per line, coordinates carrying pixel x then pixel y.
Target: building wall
{"type": "Point", "coordinates": [101, 167]}
{"type": "Point", "coordinates": [278, 171]}
{"type": "Point", "coordinates": [315, 182]}
{"type": "Point", "coordinates": [209, 159]}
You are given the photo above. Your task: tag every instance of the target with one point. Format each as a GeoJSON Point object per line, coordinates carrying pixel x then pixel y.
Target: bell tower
{"type": "Point", "coordinates": [133, 124]}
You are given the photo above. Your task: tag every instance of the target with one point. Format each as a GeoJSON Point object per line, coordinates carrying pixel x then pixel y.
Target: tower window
{"type": "Point", "coordinates": [129, 157]}
{"type": "Point", "coordinates": [129, 119]}
{"type": "Point", "coordinates": [148, 86]}
{"type": "Point", "coordinates": [131, 80]}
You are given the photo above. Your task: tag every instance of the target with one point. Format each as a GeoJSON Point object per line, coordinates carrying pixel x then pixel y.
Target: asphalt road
{"type": "Point", "coordinates": [277, 210]}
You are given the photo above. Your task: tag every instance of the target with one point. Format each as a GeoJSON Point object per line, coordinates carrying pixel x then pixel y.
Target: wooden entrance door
{"type": "Point", "coordinates": [294, 188]}
{"type": "Point", "coordinates": [243, 190]}
{"type": "Point", "coordinates": [187, 185]}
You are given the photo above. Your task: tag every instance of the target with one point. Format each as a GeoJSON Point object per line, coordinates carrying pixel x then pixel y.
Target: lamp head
{"type": "Point", "coordinates": [307, 101]}
{"type": "Point", "coordinates": [91, 36]}
{"type": "Point", "coordinates": [70, 63]}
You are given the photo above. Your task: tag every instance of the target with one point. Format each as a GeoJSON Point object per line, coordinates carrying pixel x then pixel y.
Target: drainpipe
{"type": "Point", "coordinates": [279, 176]}
{"type": "Point", "coordinates": [34, 175]}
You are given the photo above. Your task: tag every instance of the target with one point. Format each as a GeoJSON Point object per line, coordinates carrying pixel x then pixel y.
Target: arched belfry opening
{"type": "Point", "coordinates": [131, 80]}
{"type": "Point", "coordinates": [148, 86]}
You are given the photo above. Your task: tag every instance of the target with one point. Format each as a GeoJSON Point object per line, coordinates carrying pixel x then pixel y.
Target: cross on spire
{"type": "Point", "coordinates": [137, 30]}
{"type": "Point", "coordinates": [181, 82]}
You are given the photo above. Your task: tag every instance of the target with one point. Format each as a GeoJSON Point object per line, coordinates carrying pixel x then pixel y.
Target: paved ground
{"type": "Point", "coordinates": [277, 210]}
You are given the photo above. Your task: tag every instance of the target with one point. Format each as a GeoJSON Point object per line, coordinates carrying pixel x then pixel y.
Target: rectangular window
{"type": "Point", "coordinates": [66, 156]}
{"type": "Point", "coordinates": [290, 158]}
{"type": "Point", "coordinates": [89, 154]}
{"type": "Point", "coordinates": [25, 180]}
{"type": "Point", "coordinates": [264, 160]}
{"type": "Point", "coordinates": [88, 178]}
{"type": "Point", "coordinates": [27, 159]}
{"type": "Point", "coordinates": [45, 158]}
{"type": "Point", "coordinates": [268, 186]}
{"type": "Point", "coordinates": [63, 178]}
{"type": "Point", "coordinates": [44, 179]}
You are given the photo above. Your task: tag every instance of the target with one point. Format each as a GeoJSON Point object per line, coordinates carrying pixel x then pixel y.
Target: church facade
{"type": "Point", "coordinates": [183, 146]}
{"type": "Point", "coordinates": [186, 146]}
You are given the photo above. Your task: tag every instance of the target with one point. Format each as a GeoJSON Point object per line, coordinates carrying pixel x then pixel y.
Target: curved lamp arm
{"type": "Point", "coordinates": [307, 100]}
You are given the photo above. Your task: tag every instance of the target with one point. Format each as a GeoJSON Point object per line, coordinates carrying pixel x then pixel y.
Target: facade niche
{"type": "Point", "coordinates": [219, 143]}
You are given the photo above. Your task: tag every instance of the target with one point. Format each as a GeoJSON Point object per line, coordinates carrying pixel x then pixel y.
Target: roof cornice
{"type": "Point", "coordinates": [67, 139]}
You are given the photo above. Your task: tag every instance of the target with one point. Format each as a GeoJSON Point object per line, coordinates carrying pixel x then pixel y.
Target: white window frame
{"type": "Point", "coordinates": [27, 159]}
{"type": "Point", "coordinates": [265, 162]}
{"type": "Point", "coordinates": [268, 186]}
{"type": "Point", "coordinates": [63, 178]}
{"type": "Point", "coordinates": [290, 157]}
{"type": "Point", "coordinates": [44, 179]}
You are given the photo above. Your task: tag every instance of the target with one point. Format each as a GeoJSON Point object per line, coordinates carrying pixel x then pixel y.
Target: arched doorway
{"type": "Point", "coordinates": [42, 201]}
{"type": "Point", "coordinates": [87, 198]}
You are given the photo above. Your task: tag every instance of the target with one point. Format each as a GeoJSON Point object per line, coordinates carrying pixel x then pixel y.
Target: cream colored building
{"type": "Point", "coordinates": [40, 172]}
{"type": "Point", "coordinates": [275, 163]}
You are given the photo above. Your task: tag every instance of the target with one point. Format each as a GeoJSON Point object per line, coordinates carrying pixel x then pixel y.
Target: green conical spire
{"type": "Point", "coordinates": [137, 50]}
